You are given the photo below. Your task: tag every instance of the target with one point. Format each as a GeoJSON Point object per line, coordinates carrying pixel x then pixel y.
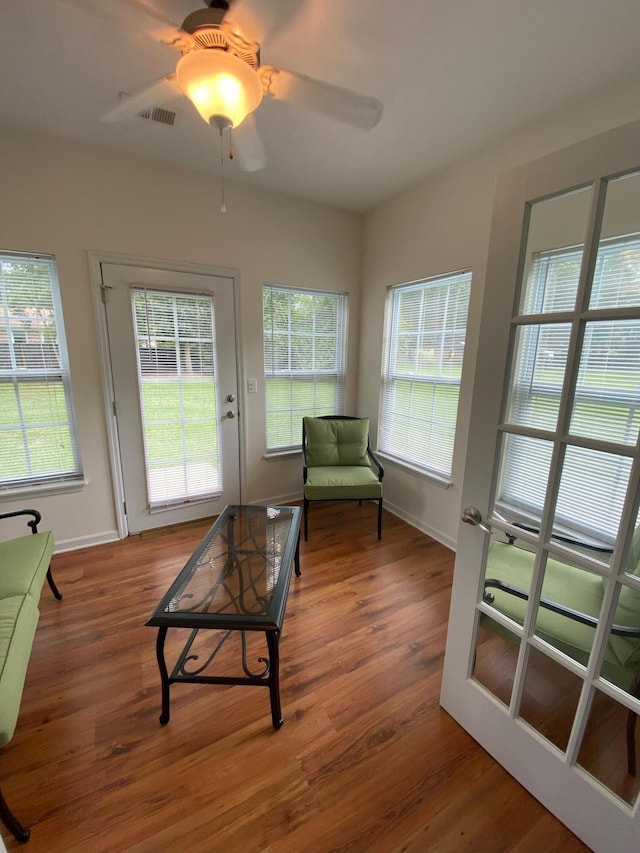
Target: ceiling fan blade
{"type": "Point", "coordinates": [248, 146]}
{"type": "Point", "coordinates": [335, 102]}
{"type": "Point", "coordinates": [264, 20]}
{"type": "Point", "coordinates": [139, 13]}
{"type": "Point", "coordinates": [147, 96]}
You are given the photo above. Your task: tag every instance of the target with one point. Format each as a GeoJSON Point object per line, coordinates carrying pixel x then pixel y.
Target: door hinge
{"type": "Point", "coordinates": [124, 507]}
{"type": "Point", "coordinates": [115, 410]}
{"type": "Point", "coordinates": [104, 288]}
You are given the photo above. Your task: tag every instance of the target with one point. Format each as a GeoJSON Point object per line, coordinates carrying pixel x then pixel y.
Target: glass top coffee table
{"type": "Point", "coordinates": [236, 580]}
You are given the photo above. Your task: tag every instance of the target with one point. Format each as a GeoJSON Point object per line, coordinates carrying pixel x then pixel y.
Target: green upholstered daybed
{"type": "Point", "coordinates": [24, 565]}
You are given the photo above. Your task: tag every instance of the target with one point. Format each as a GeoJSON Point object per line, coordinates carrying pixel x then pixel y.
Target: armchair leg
{"type": "Point", "coordinates": [52, 585]}
{"type": "Point", "coordinates": [20, 832]}
{"type": "Point", "coordinates": [306, 507]}
{"type": "Point", "coordinates": [380, 519]}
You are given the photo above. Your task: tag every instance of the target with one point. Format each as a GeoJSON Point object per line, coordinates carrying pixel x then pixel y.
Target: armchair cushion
{"type": "Point", "coordinates": [337, 442]}
{"type": "Point", "coordinates": [334, 482]}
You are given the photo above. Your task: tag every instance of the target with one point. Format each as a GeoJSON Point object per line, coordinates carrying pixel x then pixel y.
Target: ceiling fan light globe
{"type": "Point", "coordinates": [219, 84]}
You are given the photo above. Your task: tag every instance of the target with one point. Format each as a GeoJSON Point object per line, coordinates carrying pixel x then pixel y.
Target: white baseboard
{"type": "Point", "coordinates": [438, 535]}
{"type": "Point", "coordinates": [85, 542]}
{"type": "Point", "coordinates": [279, 500]}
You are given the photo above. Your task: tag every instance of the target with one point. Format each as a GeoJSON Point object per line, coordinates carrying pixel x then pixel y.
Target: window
{"type": "Point", "coordinates": [304, 335]}
{"type": "Point", "coordinates": [425, 329]}
{"type": "Point", "coordinates": [606, 403]}
{"type": "Point", "coordinates": [37, 431]}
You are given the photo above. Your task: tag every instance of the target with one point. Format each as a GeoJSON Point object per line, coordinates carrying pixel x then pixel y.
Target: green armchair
{"type": "Point", "coordinates": [338, 463]}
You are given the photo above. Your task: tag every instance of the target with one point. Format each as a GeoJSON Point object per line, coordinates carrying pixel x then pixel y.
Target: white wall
{"type": "Point", "coordinates": [443, 225]}
{"type": "Point", "coordinates": [66, 199]}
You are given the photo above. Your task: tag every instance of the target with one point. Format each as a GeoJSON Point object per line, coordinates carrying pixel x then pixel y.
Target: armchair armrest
{"type": "Point", "coordinates": [377, 463]}
{"type": "Point", "coordinates": [33, 524]}
{"type": "Point", "coordinates": [576, 615]}
{"type": "Point", "coordinates": [600, 549]}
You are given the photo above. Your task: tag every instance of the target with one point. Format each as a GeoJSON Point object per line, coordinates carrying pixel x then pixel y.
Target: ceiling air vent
{"type": "Point", "coordinates": [160, 115]}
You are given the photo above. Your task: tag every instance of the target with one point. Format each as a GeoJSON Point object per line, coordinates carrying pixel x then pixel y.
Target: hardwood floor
{"type": "Point", "coordinates": [366, 762]}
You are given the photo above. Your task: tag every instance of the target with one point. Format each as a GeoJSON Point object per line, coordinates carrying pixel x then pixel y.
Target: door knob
{"type": "Point", "coordinates": [230, 415]}
{"type": "Point", "coordinates": [471, 515]}
{"type": "Point", "coordinates": [230, 398]}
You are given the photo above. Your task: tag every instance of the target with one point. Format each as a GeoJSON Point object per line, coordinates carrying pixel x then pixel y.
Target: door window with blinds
{"type": "Point", "coordinates": [38, 443]}
{"type": "Point", "coordinates": [425, 331]}
{"type": "Point", "coordinates": [304, 361]}
{"type": "Point", "coordinates": [607, 387]}
{"type": "Point", "coordinates": [175, 349]}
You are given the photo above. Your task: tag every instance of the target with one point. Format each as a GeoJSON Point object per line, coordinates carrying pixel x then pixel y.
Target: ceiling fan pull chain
{"type": "Point", "coordinates": [223, 206]}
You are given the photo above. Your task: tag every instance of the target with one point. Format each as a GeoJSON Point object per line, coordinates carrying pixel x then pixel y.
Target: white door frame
{"type": "Point", "coordinates": [597, 813]}
{"type": "Point", "coordinates": [96, 259]}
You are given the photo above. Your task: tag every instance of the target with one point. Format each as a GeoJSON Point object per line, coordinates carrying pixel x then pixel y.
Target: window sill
{"type": "Point", "coordinates": [285, 454]}
{"type": "Point", "coordinates": [437, 480]}
{"type": "Point", "coordinates": [44, 489]}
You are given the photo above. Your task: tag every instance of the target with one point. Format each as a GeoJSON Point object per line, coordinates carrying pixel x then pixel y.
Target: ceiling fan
{"type": "Point", "coordinates": [221, 73]}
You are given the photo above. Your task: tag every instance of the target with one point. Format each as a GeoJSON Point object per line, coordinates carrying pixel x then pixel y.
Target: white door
{"type": "Point", "coordinates": [551, 492]}
{"type": "Point", "coordinates": [173, 362]}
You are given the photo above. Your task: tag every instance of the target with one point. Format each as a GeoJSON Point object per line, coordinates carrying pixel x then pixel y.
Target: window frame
{"type": "Point", "coordinates": [390, 377]}
{"type": "Point", "coordinates": [308, 373]}
{"type": "Point", "coordinates": [39, 481]}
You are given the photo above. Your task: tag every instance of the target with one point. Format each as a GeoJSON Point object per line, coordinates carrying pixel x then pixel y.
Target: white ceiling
{"type": "Point", "coordinates": [454, 76]}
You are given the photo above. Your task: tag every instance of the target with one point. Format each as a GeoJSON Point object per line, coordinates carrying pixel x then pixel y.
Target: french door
{"type": "Point", "coordinates": [172, 356]}
{"type": "Point", "coordinates": [543, 648]}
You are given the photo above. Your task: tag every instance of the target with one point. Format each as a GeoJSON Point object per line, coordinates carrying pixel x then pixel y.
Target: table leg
{"type": "Point", "coordinates": [297, 557]}
{"type": "Point", "coordinates": [164, 675]}
{"type": "Point", "coordinates": [273, 642]}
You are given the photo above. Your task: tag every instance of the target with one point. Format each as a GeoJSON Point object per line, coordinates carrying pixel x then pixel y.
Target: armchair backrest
{"type": "Point", "coordinates": [335, 441]}
{"type": "Point", "coordinates": [628, 610]}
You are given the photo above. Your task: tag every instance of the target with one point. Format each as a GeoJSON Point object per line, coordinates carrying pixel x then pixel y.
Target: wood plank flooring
{"type": "Point", "coordinates": [366, 762]}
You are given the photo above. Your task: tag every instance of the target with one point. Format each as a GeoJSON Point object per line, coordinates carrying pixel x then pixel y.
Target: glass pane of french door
{"type": "Point", "coordinates": [176, 348]}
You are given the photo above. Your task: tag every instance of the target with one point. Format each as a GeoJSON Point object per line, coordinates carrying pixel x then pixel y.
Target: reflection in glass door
{"type": "Point", "coordinates": [558, 633]}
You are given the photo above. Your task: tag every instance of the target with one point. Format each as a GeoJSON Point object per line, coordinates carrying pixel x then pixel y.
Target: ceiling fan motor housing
{"type": "Point", "coordinates": [209, 31]}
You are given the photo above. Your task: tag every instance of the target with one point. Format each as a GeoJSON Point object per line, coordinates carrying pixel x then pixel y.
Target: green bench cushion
{"type": "Point", "coordinates": [18, 621]}
{"type": "Point", "coordinates": [24, 563]}
{"type": "Point", "coordinates": [571, 587]}
{"type": "Point", "coordinates": [336, 442]}
{"type": "Point", "coordinates": [349, 482]}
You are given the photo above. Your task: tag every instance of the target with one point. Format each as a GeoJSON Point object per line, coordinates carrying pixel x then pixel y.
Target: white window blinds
{"type": "Point", "coordinates": [425, 330]}
{"type": "Point", "coordinates": [605, 406]}
{"type": "Point", "coordinates": [38, 444]}
{"type": "Point", "coordinates": [304, 340]}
